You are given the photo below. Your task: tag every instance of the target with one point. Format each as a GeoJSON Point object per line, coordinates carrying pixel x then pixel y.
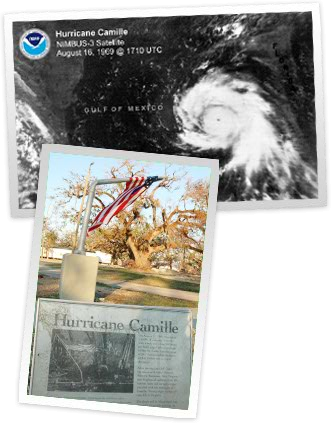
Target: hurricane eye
{"type": "Point", "coordinates": [218, 112]}
{"type": "Point", "coordinates": [241, 90]}
{"type": "Point", "coordinates": [219, 121]}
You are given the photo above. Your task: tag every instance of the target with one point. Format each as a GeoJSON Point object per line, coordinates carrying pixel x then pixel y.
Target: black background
{"type": "Point", "coordinates": [267, 310]}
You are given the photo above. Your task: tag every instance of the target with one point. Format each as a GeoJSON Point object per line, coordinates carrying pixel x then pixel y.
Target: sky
{"type": "Point", "coordinates": [61, 166]}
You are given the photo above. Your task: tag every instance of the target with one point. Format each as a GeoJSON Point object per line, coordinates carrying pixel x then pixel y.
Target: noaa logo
{"type": "Point", "coordinates": [35, 44]}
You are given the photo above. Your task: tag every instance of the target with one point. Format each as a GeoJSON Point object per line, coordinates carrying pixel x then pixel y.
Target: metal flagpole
{"type": "Point", "coordinates": [79, 271]}
{"type": "Point", "coordinates": [82, 239]}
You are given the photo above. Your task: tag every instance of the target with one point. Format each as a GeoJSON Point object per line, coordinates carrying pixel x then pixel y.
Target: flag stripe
{"type": "Point", "coordinates": [133, 189]}
{"type": "Point", "coordinates": [125, 203]}
{"type": "Point", "coordinates": [122, 199]}
{"type": "Point", "coordinates": [103, 213]}
{"type": "Point", "coordinates": [129, 199]}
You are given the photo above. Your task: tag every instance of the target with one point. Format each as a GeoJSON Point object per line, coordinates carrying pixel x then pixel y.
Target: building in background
{"type": "Point", "coordinates": [58, 253]}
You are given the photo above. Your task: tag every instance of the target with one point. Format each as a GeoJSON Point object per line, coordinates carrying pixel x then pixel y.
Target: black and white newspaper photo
{"type": "Point", "coordinates": [242, 85]}
{"type": "Point", "coordinates": [117, 297]}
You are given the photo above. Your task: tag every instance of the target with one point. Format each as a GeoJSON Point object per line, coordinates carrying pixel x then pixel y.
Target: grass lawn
{"type": "Point", "coordinates": [122, 296]}
{"type": "Point", "coordinates": [113, 274]}
{"type": "Point", "coordinates": [54, 264]}
{"type": "Point", "coordinates": [49, 288]}
{"type": "Point", "coordinates": [120, 275]}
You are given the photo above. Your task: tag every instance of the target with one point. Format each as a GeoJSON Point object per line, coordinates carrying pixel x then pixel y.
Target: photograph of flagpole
{"type": "Point", "coordinates": [122, 246]}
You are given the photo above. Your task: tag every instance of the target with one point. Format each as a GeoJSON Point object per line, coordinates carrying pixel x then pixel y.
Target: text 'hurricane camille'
{"type": "Point", "coordinates": [135, 325]}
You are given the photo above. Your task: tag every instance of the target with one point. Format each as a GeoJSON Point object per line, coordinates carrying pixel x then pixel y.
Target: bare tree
{"type": "Point", "coordinates": [148, 231]}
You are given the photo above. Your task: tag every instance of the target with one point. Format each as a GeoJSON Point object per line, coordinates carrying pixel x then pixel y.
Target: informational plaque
{"type": "Point", "coordinates": [121, 354]}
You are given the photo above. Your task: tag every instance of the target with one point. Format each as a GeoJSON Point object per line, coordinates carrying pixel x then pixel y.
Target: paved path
{"type": "Point", "coordinates": [131, 286]}
{"type": "Point", "coordinates": [164, 292]}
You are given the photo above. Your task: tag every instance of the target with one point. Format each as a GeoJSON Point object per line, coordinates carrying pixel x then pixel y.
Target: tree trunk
{"type": "Point", "coordinates": [141, 258]}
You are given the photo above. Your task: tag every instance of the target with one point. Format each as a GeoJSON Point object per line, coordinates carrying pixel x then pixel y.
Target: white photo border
{"type": "Point", "coordinates": [24, 397]}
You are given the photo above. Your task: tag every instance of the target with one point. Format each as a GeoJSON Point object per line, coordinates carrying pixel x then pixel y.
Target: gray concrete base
{"type": "Point", "coordinates": [78, 277]}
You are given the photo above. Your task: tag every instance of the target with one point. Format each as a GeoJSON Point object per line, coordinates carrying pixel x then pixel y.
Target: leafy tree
{"type": "Point", "coordinates": [49, 240]}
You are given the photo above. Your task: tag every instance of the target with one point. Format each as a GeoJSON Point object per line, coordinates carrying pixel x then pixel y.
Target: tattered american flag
{"type": "Point", "coordinates": [133, 189]}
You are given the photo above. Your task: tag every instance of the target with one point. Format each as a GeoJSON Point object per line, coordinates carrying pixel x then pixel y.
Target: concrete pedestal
{"type": "Point", "coordinates": [78, 277]}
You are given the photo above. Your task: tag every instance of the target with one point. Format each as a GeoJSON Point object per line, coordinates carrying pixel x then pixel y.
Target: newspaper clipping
{"type": "Point", "coordinates": [123, 354]}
